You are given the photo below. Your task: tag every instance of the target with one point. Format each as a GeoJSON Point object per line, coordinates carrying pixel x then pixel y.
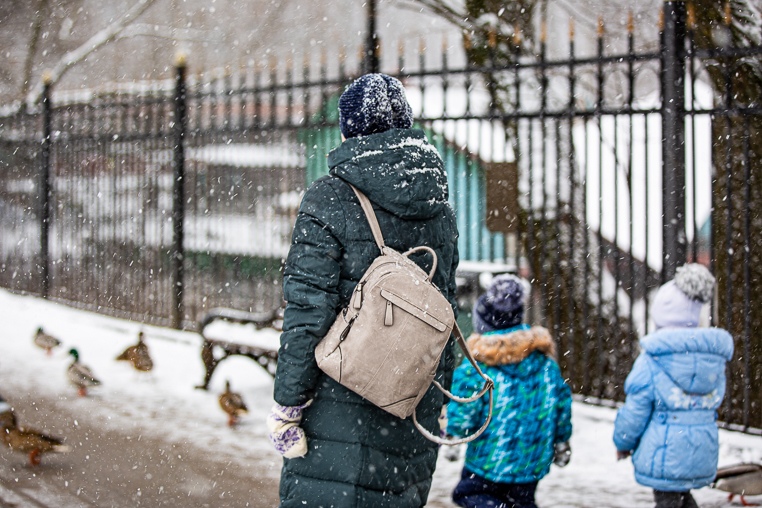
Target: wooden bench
{"type": "Point", "coordinates": [267, 358]}
{"type": "Point", "coordinates": [468, 289]}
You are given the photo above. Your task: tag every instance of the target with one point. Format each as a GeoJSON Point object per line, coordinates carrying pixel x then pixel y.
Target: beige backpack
{"type": "Point", "coordinates": [386, 345]}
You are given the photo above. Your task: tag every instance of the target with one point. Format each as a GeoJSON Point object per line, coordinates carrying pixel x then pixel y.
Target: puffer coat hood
{"type": "Point", "coordinates": [398, 170]}
{"type": "Point", "coordinates": [669, 416]}
{"type": "Point", "coordinates": [532, 408]}
{"type": "Point", "coordinates": [693, 358]}
{"type": "Point", "coordinates": [511, 347]}
{"type": "Point", "coordinates": [358, 454]}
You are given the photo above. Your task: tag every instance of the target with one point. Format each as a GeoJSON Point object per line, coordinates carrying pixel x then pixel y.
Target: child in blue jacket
{"type": "Point", "coordinates": [531, 422]}
{"type": "Point", "coordinates": [668, 421]}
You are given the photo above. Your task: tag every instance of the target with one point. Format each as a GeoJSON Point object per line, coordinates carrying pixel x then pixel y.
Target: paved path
{"type": "Point", "coordinates": [107, 468]}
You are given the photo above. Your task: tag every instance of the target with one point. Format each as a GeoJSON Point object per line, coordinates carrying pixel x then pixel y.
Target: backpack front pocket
{"type": "Point", "coordinates": [413, 310]}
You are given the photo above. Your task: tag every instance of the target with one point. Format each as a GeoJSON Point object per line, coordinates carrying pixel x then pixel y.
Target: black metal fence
{"type": "Point", "coordinates": [160, 201]}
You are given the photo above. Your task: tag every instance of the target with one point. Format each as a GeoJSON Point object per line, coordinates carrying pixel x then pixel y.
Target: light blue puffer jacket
{"type": "Point", "coordinates": [668, 419]}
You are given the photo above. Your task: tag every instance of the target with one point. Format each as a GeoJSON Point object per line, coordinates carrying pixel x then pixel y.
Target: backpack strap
{"type": "Point", "coordinates": [489, 385]}
{"type": "Point", "coordinates": [371, 216]}
{"type": "Point", "coordinates": [367, 207]}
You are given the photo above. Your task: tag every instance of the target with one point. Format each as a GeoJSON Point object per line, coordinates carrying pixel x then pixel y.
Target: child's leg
{"type": "Point", "coordinates": [473, 491]}
{"type": "Point", "coordinates": [522, 495]}
{"type": "Point", "coordinates": [674, 499]}
{"type": "Point", "coordinates": [688, 501]}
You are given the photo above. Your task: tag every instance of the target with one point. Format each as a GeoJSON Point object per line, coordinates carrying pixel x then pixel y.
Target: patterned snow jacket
{"type": "Point", "coordinates": [532, 408]}
{"type": "Point", "coordinates": [360, 455]}
{"type": "Point", "coordinates": [668, 419]}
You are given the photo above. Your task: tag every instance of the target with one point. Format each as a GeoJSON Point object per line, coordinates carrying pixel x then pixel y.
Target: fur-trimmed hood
{"type": "Point", "coordinates": [512, 347]}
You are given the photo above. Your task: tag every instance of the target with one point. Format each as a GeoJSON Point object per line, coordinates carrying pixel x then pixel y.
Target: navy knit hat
{"type": "Point", "coordinates": [373, 103]}
{"type": "Point", "coordinates": [502, 306]}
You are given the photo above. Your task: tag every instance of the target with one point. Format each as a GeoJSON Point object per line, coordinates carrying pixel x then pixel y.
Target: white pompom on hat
{"type": "Point", "coordinates": [696, 281]}
{"type": "Point", "coordinates": [678, 303]}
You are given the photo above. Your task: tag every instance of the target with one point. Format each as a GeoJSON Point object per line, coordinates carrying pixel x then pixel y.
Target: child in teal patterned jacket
{"type": "Point", "coordinates": [531, 423]}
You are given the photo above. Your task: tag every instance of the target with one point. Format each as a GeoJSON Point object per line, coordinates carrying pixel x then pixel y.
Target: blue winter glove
{"type": "Point", "coordinates": [285, 434]}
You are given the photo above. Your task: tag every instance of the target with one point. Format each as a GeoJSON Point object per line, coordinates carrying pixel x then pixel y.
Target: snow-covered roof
{"type": "Point", "coordinates": [276, 155]}
{"type": "Point", "coordinates": [477, 137]}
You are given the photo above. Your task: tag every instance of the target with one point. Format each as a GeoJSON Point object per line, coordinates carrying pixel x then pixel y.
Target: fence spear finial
{"type": "Point", "coordinates": [571, 29]}
{"type": "Point", "coordinates": [691, 16]}
{"type": "Point", "coordinates": [630, 23]}
{"type": "Point", "coordinates": [516, 35]}
{"type": "Point", "coordinates": [47, 78]}
{"type": "Point", "coordinates": [181, 59]}
{"type": "Point", "coordinates": [728, 14]}
{"type": "Point", "coordinates": [601, 29]}
{"type": "Point", "coordinates": [273, 64]}
{"type": "Point", "coordinates": [492, 38]}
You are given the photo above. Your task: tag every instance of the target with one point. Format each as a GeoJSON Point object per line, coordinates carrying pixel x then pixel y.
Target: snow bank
{"type": "Point", "coordinates": [166, 405]}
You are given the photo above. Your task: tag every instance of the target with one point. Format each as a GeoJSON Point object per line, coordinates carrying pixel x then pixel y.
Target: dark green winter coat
{"type": "Point", "coordinates": [360, 455]}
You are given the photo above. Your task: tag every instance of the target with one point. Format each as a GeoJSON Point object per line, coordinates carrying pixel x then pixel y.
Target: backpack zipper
{"type": "Point", "coordinates": [357, 300]}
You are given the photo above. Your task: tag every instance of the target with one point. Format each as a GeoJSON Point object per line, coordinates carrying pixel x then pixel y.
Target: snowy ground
{"type": "Point", "coordinates": [166, 406]}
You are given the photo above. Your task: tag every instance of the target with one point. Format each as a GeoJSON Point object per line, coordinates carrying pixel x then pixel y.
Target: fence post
{"type": "Point", "coordinates": [371, 63]}
{"type": "Point", "coordinates": [44, 195]}
{"type": "Point", "coordinates": [178, 195]}
{"type": "Point", "coordinates": [673, 137]}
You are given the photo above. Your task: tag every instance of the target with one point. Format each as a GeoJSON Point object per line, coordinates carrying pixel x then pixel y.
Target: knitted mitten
{"type": "Point", "coordinates": [453, 453]}
{"type": "Point", "coordinates": [562, 454]}
{"type": "Point", "coordinates": [443, 421]}
{"type": "Point", "coordinates": [285, 434]}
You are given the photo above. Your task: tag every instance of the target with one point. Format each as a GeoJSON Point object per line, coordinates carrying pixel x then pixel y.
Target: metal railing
{"type": "Point", "coordinates": [167, 199]}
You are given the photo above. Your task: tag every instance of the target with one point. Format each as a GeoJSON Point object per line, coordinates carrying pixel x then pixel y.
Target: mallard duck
{"type": "Point", "coordinates": [740, 479]}
{"type": "Point", "coordinates": [23, 440]}
{"type": "Point", "coordinates": [45, 341]}
{"type": "Point", "coordinates": [232, 403]}
{"type": "Point", "coordinates": [6, 414]}
{"type": "Point", "coordinates": [138, 355]}
{"type": "Point", "coordinates": [80, 375]}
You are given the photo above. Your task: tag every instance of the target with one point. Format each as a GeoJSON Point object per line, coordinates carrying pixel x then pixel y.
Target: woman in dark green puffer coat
{"type": "Point", "coordinates": [358, 455]}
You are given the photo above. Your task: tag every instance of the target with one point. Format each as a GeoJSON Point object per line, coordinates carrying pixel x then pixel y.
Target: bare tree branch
{"type": "Point", "coordinates": [165, 32]}
{"type": "Point", "coordinates": [452, 13]}
{"type": "Point", "coordinates": [98, 40]}
{"type": "Point", "coordinates": [33, 41]}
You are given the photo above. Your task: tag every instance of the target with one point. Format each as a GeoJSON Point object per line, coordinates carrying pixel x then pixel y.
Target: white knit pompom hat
{"type": "Point", "coordinates": [678, 303]}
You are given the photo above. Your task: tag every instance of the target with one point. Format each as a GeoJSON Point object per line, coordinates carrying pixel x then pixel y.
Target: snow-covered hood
{"type": "Point", "coordinates": [694, 358]}
{"type": "Point", "coordinates": [399, 170]}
